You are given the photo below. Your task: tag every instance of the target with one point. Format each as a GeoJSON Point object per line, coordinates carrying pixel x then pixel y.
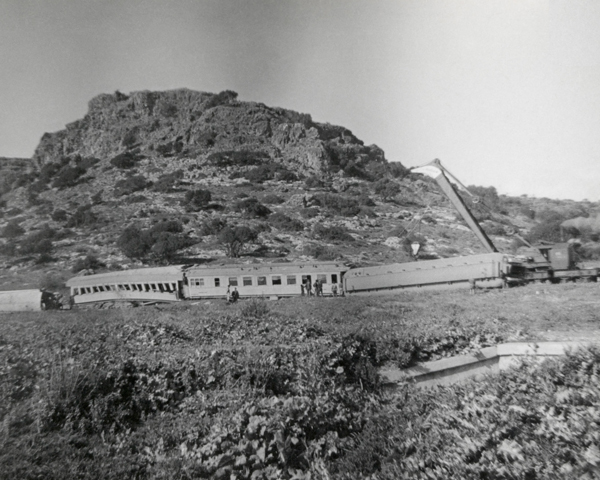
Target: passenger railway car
{"type": "Point", "coordinates": [174, 283]}
{"type": "Point", "coordinates": [490, 270]}
{"type": "Point", "coordinates": [275, 279]}
{"type": "Point", "coordinates": [162, 284]}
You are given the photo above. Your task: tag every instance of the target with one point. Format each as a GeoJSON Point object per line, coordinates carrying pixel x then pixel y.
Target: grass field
{"type": "Point", "coordinates": [284, 389]}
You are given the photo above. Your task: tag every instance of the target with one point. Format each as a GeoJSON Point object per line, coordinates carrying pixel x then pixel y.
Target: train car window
{"type": "Point", "coordinates": [217, 282]}
{"type": "Point", "coordinates": [334, 278]}
{"type": "Point", "coordinates": [199, 282]}
{"type": "Point", "coordinates": [95, 289]}
{"type": "Point", "coordinates": [291, 279]}
{"type": "Point", "coordinates": [247, 281]}
{"type": "Point", "coordinates": [127, 286]}
{"type": "Point", "coordinates": [322, 277]}
{"type": "Point", "coordinates": [140, 287]}
{"type": "Point", "coordinates": [276, 279]}
{"type": "Point", "coordinates": [233, 281]}
{"type": "Point", "coordinates": [262, 280]}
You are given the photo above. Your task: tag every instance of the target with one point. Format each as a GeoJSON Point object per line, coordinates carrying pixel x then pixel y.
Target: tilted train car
{"type": "Point", "coordinates": [174, 283]}
{"type": "Point", "coordinates": [161, 284]}
{"type": "Point", "coordinates": [488, 270]}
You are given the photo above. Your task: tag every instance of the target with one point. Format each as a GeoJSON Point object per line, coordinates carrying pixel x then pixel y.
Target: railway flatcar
{"type": "Point", "coordinates": [175, 283]}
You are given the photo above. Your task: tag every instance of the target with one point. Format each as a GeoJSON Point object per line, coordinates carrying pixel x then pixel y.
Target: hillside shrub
{"type": "Point", "coordinates": [83, 216]}
{"type": "Point", "coordinates": [12, 230]}
{"type": "Point", "coordinates": [89, 262]}
{"type": "Point", "coordinates": [285, 223]}
{"type": "Point", "coordinates": [130, 185]}
{"type": "Point", "coordinates": [241, 158]}
{"type": "Point", "coordinates": [222, 98]}
{"type": "Point", "coordinates": [320, 252]}
{"type": "Point", "coordinates": [38, 243]}
{"type": "Point", "coordinates": [334, 233]}
{"type": "Point", "coordinates": [195, 200]}
{"type": "Point", "coordinates": [387, 188]}
{"type": "Point", "coordinates": [310, 212]}
{"type": "Point", "coordinates": [273, 199]}
{"type": "Point", "coordinates": [251, 207]}
{"type": "Point", "coordinates": [125, 160]}
{"type": "Point", "coordinates": [68, 176]}
{"type": "Point", "coordinates": [168, 182]}
{"type": "Point", "coordinates": [338, 204]}
{"type": "Point", "coordinates": [162, 241]}
{"type": "Point", "coordinates": [313, 182]}
{"type": "Point", "coordinates": [212, 226]}
{"type": "Point", "coordinates": [235, 239]}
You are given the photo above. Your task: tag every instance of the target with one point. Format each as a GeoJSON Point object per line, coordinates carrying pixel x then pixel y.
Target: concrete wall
{"type": "Point", "coordinates": [473, 366]}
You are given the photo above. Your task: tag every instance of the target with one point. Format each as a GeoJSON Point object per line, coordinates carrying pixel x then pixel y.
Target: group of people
{"type": "Point", "coordinates": [234, 296]}
{"type": "Point", "coordinates": [316, 288]}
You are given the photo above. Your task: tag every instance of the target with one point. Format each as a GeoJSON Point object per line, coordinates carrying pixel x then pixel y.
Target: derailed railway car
{"type": "Point", "coordinates": [175, 283]}
{"type": "Point", "coordinates": [161, 284]}
{"type": "Point", "coordinates": [490, 270]}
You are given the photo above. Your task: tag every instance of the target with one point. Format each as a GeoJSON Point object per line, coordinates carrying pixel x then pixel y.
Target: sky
{"type": "Point", "coordinates": [505, 93]}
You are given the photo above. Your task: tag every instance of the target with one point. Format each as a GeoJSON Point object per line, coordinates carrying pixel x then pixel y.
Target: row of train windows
{"type": "Point", "coordinates": [261, 280]}
{"type": "Point", "coordinates": [136, 287]}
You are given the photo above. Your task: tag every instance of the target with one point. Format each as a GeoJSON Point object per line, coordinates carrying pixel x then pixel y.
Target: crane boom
{"type": "Point", "coordinates": [440, 175]}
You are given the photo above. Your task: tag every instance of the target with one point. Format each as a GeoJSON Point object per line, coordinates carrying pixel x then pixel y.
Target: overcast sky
{"type": "Point", "coordinates": [505, 93]}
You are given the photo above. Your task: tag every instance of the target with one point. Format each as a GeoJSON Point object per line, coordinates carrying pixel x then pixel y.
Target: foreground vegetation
{"type": "Point", "coordinates": [290, 390]}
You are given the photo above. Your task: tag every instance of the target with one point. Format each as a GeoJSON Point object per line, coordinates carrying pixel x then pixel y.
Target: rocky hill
{"type": "Point", "coordinates": [181, 176]}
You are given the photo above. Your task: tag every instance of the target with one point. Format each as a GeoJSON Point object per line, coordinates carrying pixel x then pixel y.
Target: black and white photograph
{"type": "Point", "coordinates": [299, 239]}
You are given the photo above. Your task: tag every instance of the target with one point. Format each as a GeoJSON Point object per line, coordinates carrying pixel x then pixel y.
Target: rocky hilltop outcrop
{"type": "Point", "coordinates": [186, 123]}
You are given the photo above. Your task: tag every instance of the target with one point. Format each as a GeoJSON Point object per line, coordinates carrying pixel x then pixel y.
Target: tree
{"type": "Point", "coordinates": [167, 245]}
{"type": "Point", "coordinates": [234, 239]}
{"type": "Point", "coordinates": [133, 243]}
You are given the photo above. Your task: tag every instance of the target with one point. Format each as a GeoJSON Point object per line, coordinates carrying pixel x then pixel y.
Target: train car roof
{"type": "Point", "coordinates": [139, 275]}
{"type": "Point", "coordinates": [264, 268]}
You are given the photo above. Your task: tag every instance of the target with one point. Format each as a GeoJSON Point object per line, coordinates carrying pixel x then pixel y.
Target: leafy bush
{"type": "Point", "coordinates": [387, 188]}
{"type": "Point", "coordinates": [334, 233]}
{"type": "Point", "coordinates": [68, 176]}
{"type": "Point", "coordinates": [310, 212]}
{"type": "Point", "coordinates": [338, 204]}
{"type": "Point", "coordinates": [240, 158]}
{"type": "Point", "coordinates": [321, 252]}
{"type": "Point", "coordinates": [197, 199]}
{"type": "Point", "coordinates": [125, 160]}
{"type": "Point", "coordinates": [273, 199]}
{"type": "Point", "coordinates": [313, 182]}
{"type": "Point", "coordinates": [285, 223]}
{"type": "Point", "coordinates": [83, 216]}
{"type": "Point", "coordinates": [168, 182]}
{"type": "Point", "coordinates": [163, 240]}
{"type": "Point", "coordinates": [13, 230]}
{"type": "Point", "coordinates": [222, 98]}
{"type": "Point", "coordinates": [251, 207]}
{"type": "Point", "coordinates": [254, 309]}
{"type": "Point", "coordinates": [235, 239]}
{"type": "Point", "coordinates": [39, 242]}
{"type": "Point", "coordinates": [212, 226]}
{"type": "Point", "coordinates": [89, 262]}
{"type": "Point", "coordinates": [130, 185]}
{"type": "Point", "coordinates": [59, 215]}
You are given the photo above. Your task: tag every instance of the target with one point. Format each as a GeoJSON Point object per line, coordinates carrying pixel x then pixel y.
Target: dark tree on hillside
{"type": "Point", "coordinates": [133, 243]}
{"type": "Point", "coordinates": [12, 230]}
{"type": "Point", "coordinates": [234, 239]}
{"type": "Point", "coordinates": [197, 199]}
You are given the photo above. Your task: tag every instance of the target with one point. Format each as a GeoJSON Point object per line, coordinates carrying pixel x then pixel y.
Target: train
{"type": "Point", "coordinates": [180, 282]}
{"type": "Point", "coordinates": [278, 280]}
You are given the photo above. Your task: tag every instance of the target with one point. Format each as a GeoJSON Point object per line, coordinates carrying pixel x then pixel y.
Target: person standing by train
{"type": "Point", "coordinates": [334, 289]}
{"type": "Point", "coordinates": [308, 287]}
